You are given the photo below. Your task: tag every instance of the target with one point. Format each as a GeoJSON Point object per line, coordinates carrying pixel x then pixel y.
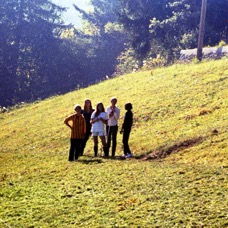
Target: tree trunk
{"type": "Point", "coordinates": [201, 30]}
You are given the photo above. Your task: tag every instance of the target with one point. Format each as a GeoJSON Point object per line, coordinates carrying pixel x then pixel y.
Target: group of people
{"type": "Point", "coordinates": [98, 123]}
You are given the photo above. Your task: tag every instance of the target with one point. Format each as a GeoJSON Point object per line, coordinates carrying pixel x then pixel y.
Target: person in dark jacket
{"type": "Point", "coordinates": [126, 129]}
{"type": "Point", "coordinates": [86, 112]}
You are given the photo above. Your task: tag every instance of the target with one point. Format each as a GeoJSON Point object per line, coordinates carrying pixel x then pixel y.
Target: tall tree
{"type": "Point", "coordinates": [177, 29]}
{"type": "Point", "coordinates": [135, 15]}
{"type": "Point", "coordinates": [105, 35]}
{"type": "Point", "coordinates": [28, 45]}
{"type": "Point", "coordinates": [216, 22]}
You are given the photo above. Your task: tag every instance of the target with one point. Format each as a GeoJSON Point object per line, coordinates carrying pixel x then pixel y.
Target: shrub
{"type": "Point", "coordinates": [222, 43]}
{"type": "Point", "coordinates": [152, 63]}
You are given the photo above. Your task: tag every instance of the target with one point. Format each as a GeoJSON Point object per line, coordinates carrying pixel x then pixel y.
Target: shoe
{"type": "Point", "coordinates": [128, 155]}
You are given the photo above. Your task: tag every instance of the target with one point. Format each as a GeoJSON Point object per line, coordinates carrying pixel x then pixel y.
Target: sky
{"type": "Point", "coordinates": [71, 15]}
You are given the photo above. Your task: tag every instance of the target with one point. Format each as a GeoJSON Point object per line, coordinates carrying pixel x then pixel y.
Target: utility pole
{"type": "Point", "coordinates": [201, 30]}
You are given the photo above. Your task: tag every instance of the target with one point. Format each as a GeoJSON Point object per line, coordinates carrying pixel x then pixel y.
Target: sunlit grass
{"type": "Point", "coordinates": [180, 112]}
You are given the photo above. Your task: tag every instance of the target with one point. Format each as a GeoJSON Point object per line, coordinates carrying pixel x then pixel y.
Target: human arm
{"type": "Point", "coordinates": [116, 113]}
{"type": "Point", "coordinates": [113, 112]}
{"type": "Point", "coordinates": [67, 120]}
{"type": "Point", "coordinates": [103, 120]}
{"type": "Point", "coordinates": [84, 127]}
{"type": "Point", "coordinates": [94, 120]}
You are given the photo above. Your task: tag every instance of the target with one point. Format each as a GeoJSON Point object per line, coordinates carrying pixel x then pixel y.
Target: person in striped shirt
{"type": "Point", "coordinates": [76, 122]}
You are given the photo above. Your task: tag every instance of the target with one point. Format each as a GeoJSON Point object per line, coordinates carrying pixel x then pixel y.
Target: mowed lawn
{"type": "Point", "coordinates": [176, 178]}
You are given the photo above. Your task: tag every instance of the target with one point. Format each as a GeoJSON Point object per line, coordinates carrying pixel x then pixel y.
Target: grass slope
{"type": "Point", "coordinates": [178, 177]}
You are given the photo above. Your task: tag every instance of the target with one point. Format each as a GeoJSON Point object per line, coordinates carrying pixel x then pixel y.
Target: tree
{"type": "Point", "coordinates": [104, 36]}
{"type": "Point", "coordinates": [135, 15]}
{"type": "Point", "coordinates": [166, 27]}
{"type": "Point", "coordinates": [216, 22]}
{"type": "Point", "coordinates": [177, 30]}
{"type": "Point", "coordinates": [29, 40]}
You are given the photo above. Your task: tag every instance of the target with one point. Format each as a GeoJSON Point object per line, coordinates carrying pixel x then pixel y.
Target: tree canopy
{"type": "Point", "coordinates": [41, 56]}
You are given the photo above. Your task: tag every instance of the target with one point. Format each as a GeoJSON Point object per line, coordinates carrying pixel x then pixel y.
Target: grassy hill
{"type": "Point", "coordinates": [177, 177]}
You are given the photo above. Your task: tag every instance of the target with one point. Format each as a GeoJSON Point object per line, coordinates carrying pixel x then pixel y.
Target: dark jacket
{"type": "Point", "coordinates": [128, 120]}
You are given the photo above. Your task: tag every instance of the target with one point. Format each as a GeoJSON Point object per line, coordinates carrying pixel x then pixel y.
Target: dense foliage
{"type": "Point", "coordinates": [165, 27]}
{"type": "Point", "coordinates": [40, 56]}
{"type": "Point", "coordinates": [30, 48]}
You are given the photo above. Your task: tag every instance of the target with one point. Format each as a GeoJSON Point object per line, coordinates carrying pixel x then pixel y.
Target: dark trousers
{"type": "Point", "coordinates": [111, 136]}
{"type": "Point", "coordinates": [126, 135]}
{"type": "Point", "coordinates": [84, 141]}
{"type": "Point", "coordinates": [75, 148]}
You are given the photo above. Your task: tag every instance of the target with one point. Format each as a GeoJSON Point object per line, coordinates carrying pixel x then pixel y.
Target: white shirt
{"type": "Point", "coordinates": [99, 125]}
{"type": "Point", "coordinates": [113, 120]}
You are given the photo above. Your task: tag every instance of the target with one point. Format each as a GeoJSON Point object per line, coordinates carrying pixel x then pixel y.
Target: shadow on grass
{"type": "Point", "coordinates": [100, 159]}
{"type": "Point", "coordinates": [157, 154]}
{"type": "Point", "coordinates": [164, 151]}
{"type": "Point", "coordinates": [91, 160]}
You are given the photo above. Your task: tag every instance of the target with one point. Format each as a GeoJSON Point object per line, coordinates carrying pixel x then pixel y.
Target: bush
{"type": "Point", "coordinates": [152, 63]}
{"type": "Point", "coordinates": [222, 43]}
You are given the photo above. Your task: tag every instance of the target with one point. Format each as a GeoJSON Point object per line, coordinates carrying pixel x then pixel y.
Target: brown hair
{"type": "Point", "coordinates": [97, 110]}
{"type": "Point", "coordinates": [85, 107]}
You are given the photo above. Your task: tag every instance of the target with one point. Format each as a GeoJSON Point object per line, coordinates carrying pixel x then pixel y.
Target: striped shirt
{"type": "Point", "coordinates": [78, 125]}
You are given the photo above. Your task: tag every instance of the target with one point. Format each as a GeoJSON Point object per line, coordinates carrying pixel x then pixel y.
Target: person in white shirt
{"type": "Point", "coordinates": [98, 119]}
{"type": "Point", "coordinates": [112, 126]}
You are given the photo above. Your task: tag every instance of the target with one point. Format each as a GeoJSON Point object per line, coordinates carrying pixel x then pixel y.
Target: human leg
{"type": "Point", "coordinates": [109, 135]}
{"type": "Point", "coordinates": [104, 144]}
{"type": "Point", "coordinates": [77, 148]}
{"type": "Point", "coordinates": [126, 135]}
{"type": "Point", "coordinates": [72, 150]}
{"type": "Point", "coordinates": [95, 148]}
{"type": "Point", "coordinates": [84, 141]}
{"type": "Point", "coordinates": [114, 136]}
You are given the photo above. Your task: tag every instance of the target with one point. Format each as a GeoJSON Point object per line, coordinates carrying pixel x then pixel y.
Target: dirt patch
{"type": "Point", "coordinates": [163, 152]}
{"type": "Point", "coordinates": [204, 112]}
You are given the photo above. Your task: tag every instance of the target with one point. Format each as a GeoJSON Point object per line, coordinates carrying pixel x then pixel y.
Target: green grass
{"type": "Point", "coordinates": [177, 178]}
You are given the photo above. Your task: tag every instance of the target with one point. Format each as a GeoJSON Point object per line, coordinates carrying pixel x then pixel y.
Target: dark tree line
{"type": "Point", "coordinates": [29, 49]}
{"type": "Point", "coordinates": [40, 56]}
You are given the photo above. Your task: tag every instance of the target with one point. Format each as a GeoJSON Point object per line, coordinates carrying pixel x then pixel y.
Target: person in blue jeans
{"type": "Point", "coordinates": [126, 130]}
